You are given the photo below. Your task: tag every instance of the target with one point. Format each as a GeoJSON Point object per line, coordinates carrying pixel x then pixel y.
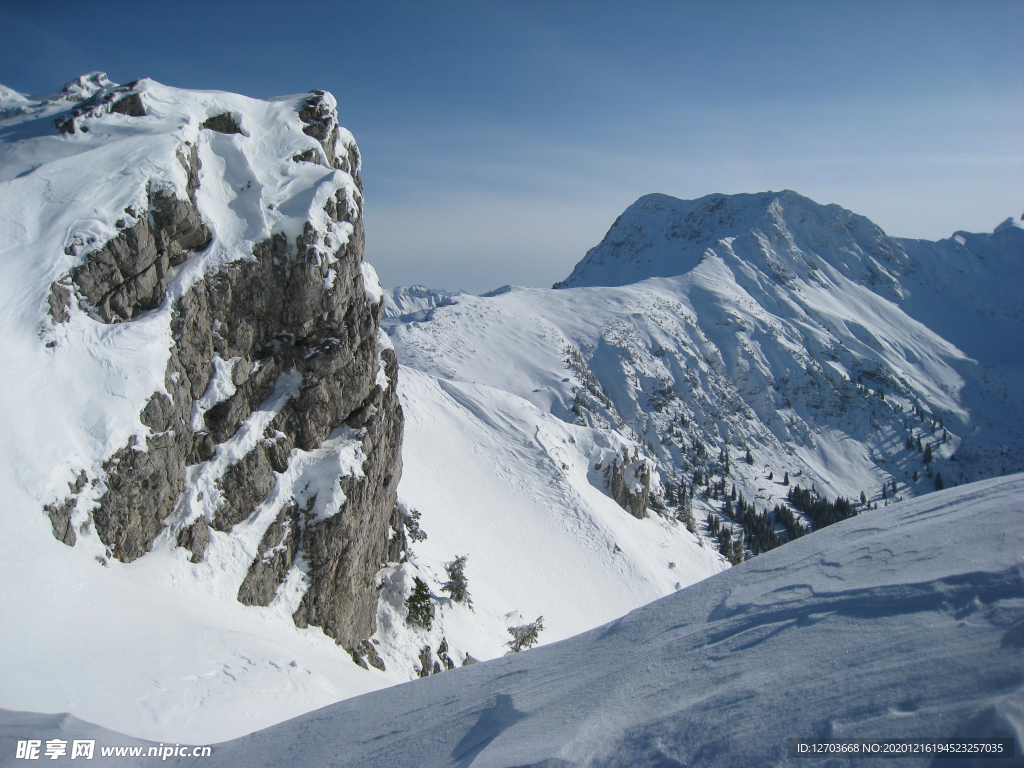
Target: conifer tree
{"type": "Point", "coordinates": [939, 485]}
{"type": "Point", "coordinates": [928, 453]}
{"type": "Point", "coordinates": [785, 480]}
{"type": "Point", "coordinates": [457, 586]}
{"type": "Point", "coordinates": [863, 498]}
{"type": "Point", "coordinates": [525, 636]}
{"type": "Point", "coordinates": [421, 612]}
{"type": "Point", "coordinates": [916, 475]}
{"type": "Point", "coordinates": [750, 457]}
{"type": "Point", "coordinates": [725, 544]}
{"type": "Point", "coordinates": [736, 557]}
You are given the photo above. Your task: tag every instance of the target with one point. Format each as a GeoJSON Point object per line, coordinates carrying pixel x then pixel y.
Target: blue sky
{"type": "Point", "coordinates": [501, 140]}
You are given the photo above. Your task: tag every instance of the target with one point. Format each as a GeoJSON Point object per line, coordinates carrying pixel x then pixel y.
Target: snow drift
{"type": "Point", "coordinates": [903, 622]}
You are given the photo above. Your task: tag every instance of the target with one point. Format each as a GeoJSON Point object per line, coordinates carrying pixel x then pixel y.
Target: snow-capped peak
{"type": "Point", "coordinates": [786, 233]}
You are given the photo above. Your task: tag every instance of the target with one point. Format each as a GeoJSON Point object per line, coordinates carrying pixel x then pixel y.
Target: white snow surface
{"type": "Point", "coordinates": [515, 489]}
{"type": "Point", "coordinates": [899, 623]}
{"type": "Point", "coordinates": [413, 302]}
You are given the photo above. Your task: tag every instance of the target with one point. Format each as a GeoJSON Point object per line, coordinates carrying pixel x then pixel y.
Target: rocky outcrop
{"type": "Point", "coordinates": [320, 116]}
{"type": "Point", "coordinates": [342, 597]}
{"type": "Point", "coordinates": [223, 123]}
{"type": "Point", "coordinates": [293, 335]}
{"type": "Point", "coordinates": [130, 273]}
{"type": "Point", "coordinates": [629, 480]}
{"type": "Point", "coordinates": [124, 100]}
{"type": "Point", "coordinates": [276, 554]}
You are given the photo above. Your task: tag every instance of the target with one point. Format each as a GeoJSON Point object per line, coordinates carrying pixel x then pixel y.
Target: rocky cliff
{"type": "Point", "coordinates": [273, 434]}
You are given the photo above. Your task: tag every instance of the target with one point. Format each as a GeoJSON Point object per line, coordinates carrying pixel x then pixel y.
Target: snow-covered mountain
{"type": "Point", "coordinates": [202, 432]}
{"type": "Point", "coordinates": [201, 443]}
{"type": "Point", "coordinates": [414, 301]}
{"type": "Point", "coordinates": [799, 333]}
{"type": "Point", "coordinates": [901, 623]}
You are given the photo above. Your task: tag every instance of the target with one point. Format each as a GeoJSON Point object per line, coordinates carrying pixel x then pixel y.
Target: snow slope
{"type": "Point", "coordinates": [969, 289]}
{"type": "Point", "coordinates": [781, 323]}
{"type": "Point", "coordinates": [903, 622]}
{"type": "Point", "coordinates": [515, 489]}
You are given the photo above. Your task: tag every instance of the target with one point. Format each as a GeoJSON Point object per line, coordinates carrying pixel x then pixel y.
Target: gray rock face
{"type": "Point", "coordinates": [366, 656]}
{"type": "Point", "coordinates": [277, 552]}
{"type": "Point", "coordinates": [621, 475]}
{"type": "Point", "coordinates": [60, 518]}
{"type": "Point", "coordinates": [288, 314]}
{"type": "Point", "coordinates": [130, 273]}
{"type": "Point", "coordinates": [321, 122]}
{"type": "Point", "coordinates": [222, 123]}
{"type": "Point", "coordinates": [195, 538]}
{"type": "Point", "coordinates": [342, 598]}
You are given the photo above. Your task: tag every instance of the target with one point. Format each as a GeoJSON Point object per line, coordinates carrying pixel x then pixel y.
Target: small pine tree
{"type": "Point", "coordinates": [457, 586]}
{"type": "Point", "coordinates": [736, 557]}
{"type": "Point", "coordinates": [863, 498]}
{"type": "Point", "coordinates": [733, 494]}
{"type": "Point", "coordinates": [915, 475]}
{"type": "Point", "coordinates": [525, 636]}
{"type": "Point", "coordinates": [885, 491]}
{"type": "Point", "coordinates": [411, 520]}
{"type": "Point", "coordinates": [771, 475]}
{"type": "Point", "coordinates": [785, 480]}
{"type": "Point", "coordinates": [928, 453]}
{"type": "Point", "coordinates": [750, 457]}
{"type": "Point", "coordinates": [420, 611]}
{"type": "Point", "coordinates": [939, 485]}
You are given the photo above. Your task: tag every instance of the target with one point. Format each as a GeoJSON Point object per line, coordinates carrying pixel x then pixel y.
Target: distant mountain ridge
{"type": "Point", "coordinates": [663, 236]}
{"type": "Point", "coordinates": [968, 288]}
